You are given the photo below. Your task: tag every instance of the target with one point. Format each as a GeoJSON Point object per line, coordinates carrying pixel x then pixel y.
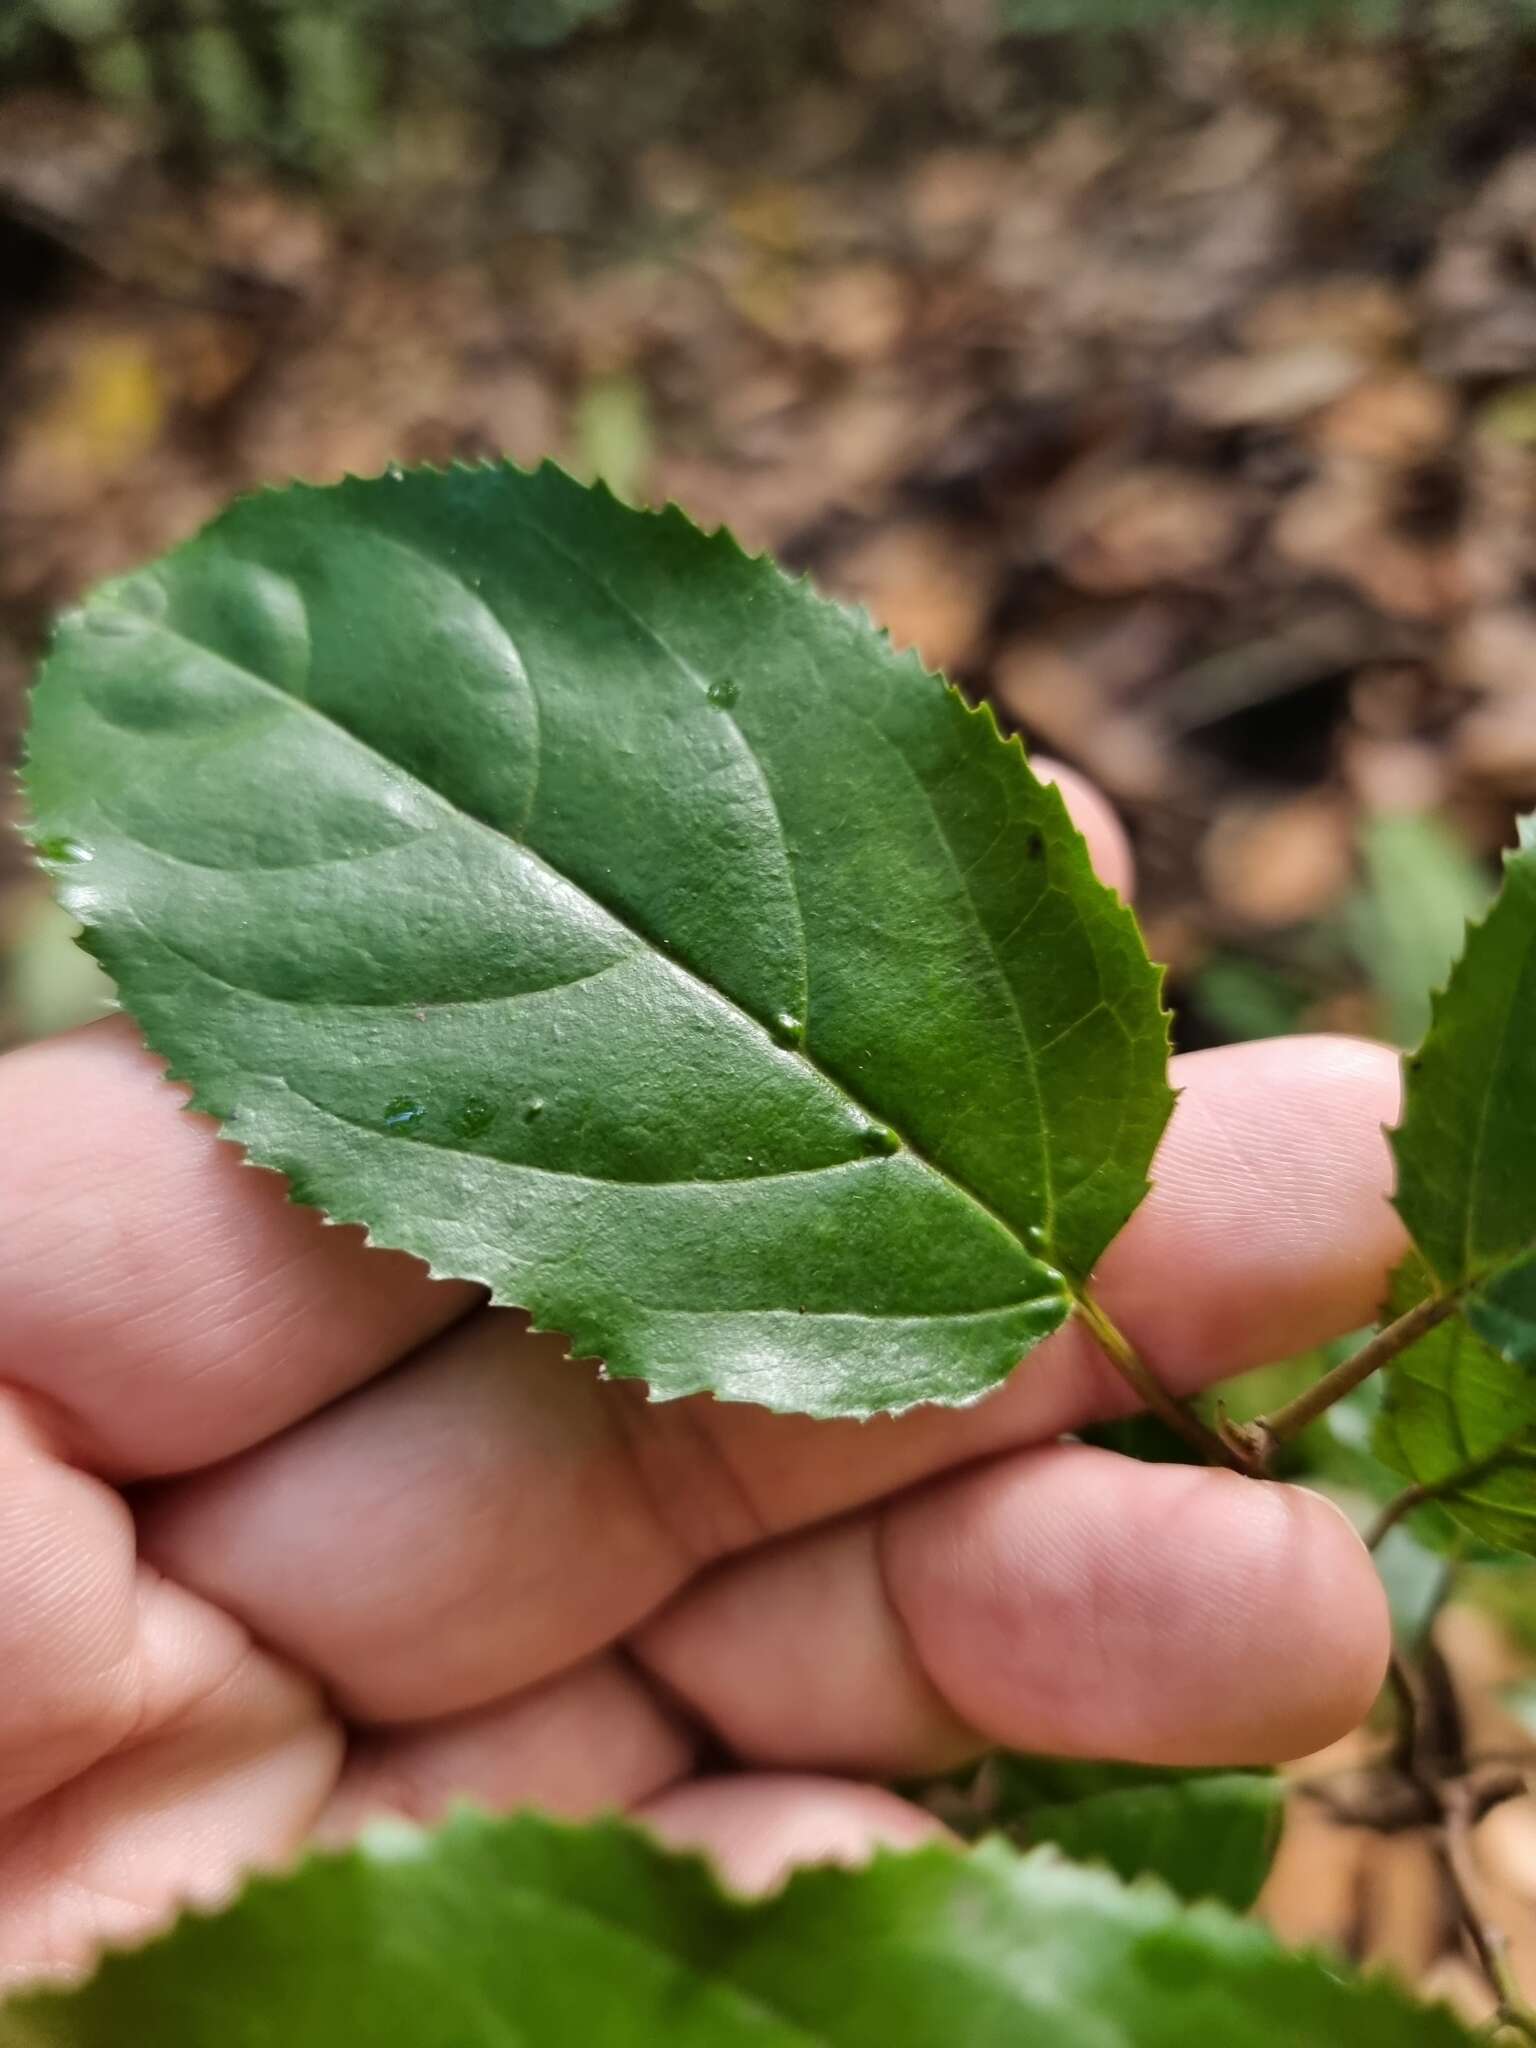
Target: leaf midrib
{"type": "Point", "coordinates": [685, 667]}
{"type": "Point", "coordinates": [455, 810]}
{"type": "Point", "coordinates": [1011, 994]}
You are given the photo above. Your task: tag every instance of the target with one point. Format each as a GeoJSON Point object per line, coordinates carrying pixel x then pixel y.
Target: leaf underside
{"type": "Point", "coordinates": [586, 908]}
{"type": "Point", "coordinates": [1206, 1834]}
{"type": "Point", "coordinates": [531, 1933]}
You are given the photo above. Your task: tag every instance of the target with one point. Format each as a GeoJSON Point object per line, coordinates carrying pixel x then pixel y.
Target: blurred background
{"type": "Point", "coordinates": [1166, 374]}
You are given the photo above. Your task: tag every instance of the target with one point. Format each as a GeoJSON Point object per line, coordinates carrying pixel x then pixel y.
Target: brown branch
{"type": "Point", "coordinates": [1464, 1805]}
{"type": "Point", "coordinates": [1317, 1399]}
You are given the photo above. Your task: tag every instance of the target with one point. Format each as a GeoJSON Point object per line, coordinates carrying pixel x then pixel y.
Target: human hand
{"type": "Point", "coordinates": [291, 1534]}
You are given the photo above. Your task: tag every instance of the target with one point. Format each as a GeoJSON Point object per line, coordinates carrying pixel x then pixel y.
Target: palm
{"type": "Point", "coordinates": [378, 1549]}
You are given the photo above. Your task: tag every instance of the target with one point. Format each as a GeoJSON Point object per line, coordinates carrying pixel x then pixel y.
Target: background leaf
{"type": "Point", "coordinates": [1206, 1834]}
{"type": "Point", "coordinates": [1463, 1146]}
{"type": "Point", "coordinates": [1408, 921]}
{"type": "Point", "coordinates": [1465, 1189]}
{"type": "Point", "coordinates": [600, 916]}
{"type": "Point", "coordinates": [1452, 1404]}
{"type": "Point", "coordinates": [528, 1931]}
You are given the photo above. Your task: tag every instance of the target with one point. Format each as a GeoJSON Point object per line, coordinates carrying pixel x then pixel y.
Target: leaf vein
{"type": "Point", "coordinates": [332, 724]}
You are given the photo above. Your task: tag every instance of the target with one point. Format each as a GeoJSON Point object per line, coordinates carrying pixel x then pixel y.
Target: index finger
{"type": "Point", "coordinates": [166, 1303]}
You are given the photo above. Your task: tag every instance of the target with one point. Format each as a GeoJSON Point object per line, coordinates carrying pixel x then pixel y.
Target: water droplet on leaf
{"type": "Point", "coordinates": [789, 1029]}
{"type": "Point", "coordinates": [535, 1108]}
{"type": "Point", "coordinates": [879, 1140]}
{"type": "Point", "coordinates": [475, 1117]}
{"type": "Point", "coordinates": [724, 693]}
{"type": "Point", "coordinates": [403, 1112]}
{"type": "Point", "coordinates": [63, 850]}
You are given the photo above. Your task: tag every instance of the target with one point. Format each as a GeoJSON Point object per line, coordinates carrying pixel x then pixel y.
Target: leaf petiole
{"type": "Point", "coordinates": [1149, 1389]}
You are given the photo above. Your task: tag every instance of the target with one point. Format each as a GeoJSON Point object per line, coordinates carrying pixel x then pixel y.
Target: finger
{"type": "Point", "coordinates": [169, 1302]}
{"type": "Point", "coordinates": [795, 1657]}
{"type": "Point", "coordinates": [467, 1526]}
{"type": "Point", "coordinates": [147, 1752]}
{"type": "Point", "coordinates": [505, 1507]}
{"type": "Point", "coordinates": [1062, 1600]}
{"type": "Point", "coordinates": [757, 1829]}
{"type": "Point", "coordinates": [230, 1785]}
{"type": "Point", "coordinates": [1095, 817]}
{"type": "Point", "coordinates": [69, 1620]}
{"type": "Point", "coordinates": [595, 1739]}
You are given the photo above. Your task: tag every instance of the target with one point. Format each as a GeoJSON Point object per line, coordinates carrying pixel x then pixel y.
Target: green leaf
{"type": "Point", "coordinates": [1205, 1834]}
{"type": "Point", "coordinates": [529, 1934]}
{"type": "Point", "coordinates": [1459, 1416]}
{"type": "Point", "coordinates": [1409, 921]}
{"type": "Point", "coordinates": [1464, 1184]}
{"type": "Point", "coordinates": [536, 22]}
{"type": "Point", "coordinates": [46, 983]}
{"type": "Point", "coordinates": [611, 433]}
{"type": "Point", "coordinates": [590, 910]}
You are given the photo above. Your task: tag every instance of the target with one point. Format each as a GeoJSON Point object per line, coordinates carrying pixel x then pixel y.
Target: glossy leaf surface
{"type": "Point", "coordinates": [597, 914]}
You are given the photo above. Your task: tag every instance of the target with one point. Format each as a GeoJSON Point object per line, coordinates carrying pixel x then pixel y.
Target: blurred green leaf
{"type": "Point", "coordinates": [1519, 1701]}
{"type": "Point", "coordinates": [48, 983]}
{"type": "Point", "coordinates": [611, 435]}
{"type": "Point", "coordinates": [84, 18]}
{"type": "Point", "coordinates": [1243, 998]}
{"type": "Point", "coordinates": [1205, 1834]}
{"type": "Point", "coordinates": [1409, 920]}
{"type": "Point", "coordinates": [524, 1931]}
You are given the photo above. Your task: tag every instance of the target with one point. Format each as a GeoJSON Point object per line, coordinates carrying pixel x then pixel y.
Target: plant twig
{"type": "Point", "coordinates": [1432, 1762]}
{"type": "Point", "coordinates": [1317, 1399]}
{"type": "Point", "coordinates": [1464, 1805]}
{"type": "Point", "coordinates": [1149, 1389]}
{"type": "Point", "coordinates": [1405, 1746]}
{"type": "Point", "coordinates": [1413, 1497]}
